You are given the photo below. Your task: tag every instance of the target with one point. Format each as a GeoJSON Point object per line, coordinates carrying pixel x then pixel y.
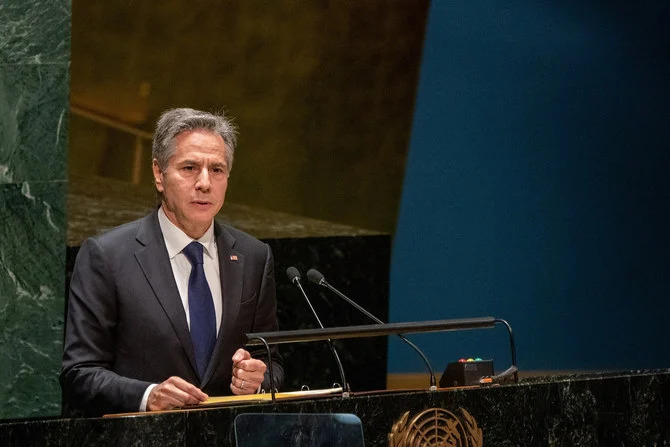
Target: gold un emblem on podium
{"type": "Point", "coordinates": [436, 427]}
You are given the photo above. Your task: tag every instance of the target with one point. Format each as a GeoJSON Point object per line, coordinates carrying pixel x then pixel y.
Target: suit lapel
{"type": "Point", "coordinates": [155, 263]}
{"type": "Point", "coordinates": [231, 272]}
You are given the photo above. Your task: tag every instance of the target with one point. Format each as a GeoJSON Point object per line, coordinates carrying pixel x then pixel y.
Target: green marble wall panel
{"type": "Point", "coordinates": [32, 285]}
{"type": "Point", "coordinates": [34, 117]}
{"type": "Point", "coordinates": [34, 110]}
{"type": "Point", "coordinates": [34, 31]}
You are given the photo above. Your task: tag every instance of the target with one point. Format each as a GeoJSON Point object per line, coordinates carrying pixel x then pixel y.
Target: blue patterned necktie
{"type": "Point", "coordinates": [201, 309]}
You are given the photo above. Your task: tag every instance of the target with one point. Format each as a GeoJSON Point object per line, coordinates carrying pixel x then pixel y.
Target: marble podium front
{"type": "Point", "coordinates": [630, 408]}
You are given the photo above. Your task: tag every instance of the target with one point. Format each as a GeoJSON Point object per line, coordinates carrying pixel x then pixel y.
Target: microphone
{"type": "Point", "coordinates": [294, 277]}
{"type": "Point", "coordinates": [317, 278]}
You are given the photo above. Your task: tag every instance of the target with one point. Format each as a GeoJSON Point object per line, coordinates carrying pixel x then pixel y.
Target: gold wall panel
{"type": "Point", "coordinates": [322, 91]}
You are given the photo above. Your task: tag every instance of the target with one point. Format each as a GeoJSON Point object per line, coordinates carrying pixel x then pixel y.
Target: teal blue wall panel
{"type": "Point", "coordinates": [537, 187]}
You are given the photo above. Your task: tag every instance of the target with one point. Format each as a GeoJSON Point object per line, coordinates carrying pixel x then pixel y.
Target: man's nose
{"type": "Point", "coordinates": [203, 182]}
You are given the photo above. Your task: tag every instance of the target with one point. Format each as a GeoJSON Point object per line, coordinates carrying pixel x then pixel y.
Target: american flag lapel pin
{"type": "Point", "coordinates": [233, 257]}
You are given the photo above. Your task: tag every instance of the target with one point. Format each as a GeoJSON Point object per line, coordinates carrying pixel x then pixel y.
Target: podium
{"type": "Point", "coordinates": [627, 408]}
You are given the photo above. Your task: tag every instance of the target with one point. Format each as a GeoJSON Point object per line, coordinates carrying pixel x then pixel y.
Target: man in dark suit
{"type": "Point", "coordinates": [159, 307]}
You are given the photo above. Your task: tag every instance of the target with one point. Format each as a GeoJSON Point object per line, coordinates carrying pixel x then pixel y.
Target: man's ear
{"type": "Point", "coordinates": [158, 176]}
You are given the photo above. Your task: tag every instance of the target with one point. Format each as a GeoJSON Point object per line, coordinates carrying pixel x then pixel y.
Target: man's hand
{"type": "Point", "coordinates": [248, 373]}
{"type": "Point", "coordinates": [175, 392]}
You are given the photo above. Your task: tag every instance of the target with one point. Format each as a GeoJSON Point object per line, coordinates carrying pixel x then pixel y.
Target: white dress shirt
{"type": "Point", "coordinates": [175, 241]}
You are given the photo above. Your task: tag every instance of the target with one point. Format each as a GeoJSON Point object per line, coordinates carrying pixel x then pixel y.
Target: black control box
{"type": "Point", "coordinates": [466, 372]}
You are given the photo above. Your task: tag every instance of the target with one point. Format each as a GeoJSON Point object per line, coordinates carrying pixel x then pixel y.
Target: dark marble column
{"type": "Point", "coordinates": [34, 76]}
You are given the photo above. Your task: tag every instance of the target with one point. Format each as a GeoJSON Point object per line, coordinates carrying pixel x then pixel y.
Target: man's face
{"type": "Point", "coordinates": [195, 181]}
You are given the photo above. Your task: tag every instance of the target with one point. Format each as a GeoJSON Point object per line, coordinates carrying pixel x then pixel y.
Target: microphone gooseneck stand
{"type": "Point", "coordinates": [294, 277]}
{"type": "Point", "coordinates": [317, 278]}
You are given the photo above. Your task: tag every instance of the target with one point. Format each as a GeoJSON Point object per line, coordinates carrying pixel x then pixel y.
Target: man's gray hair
{"type": "Point", "coordinates": [175, 121]}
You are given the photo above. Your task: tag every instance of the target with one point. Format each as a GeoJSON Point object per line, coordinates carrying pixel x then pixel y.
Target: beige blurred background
{"type": "Point", "coordinates": [322, 92]}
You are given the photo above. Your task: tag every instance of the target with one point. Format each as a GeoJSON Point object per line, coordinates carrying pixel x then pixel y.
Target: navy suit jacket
{"type": "Point", "coordinates": [126, 327]}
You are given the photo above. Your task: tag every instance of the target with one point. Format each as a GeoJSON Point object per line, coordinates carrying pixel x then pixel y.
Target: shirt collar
{"type": "Point", "coordinates": [176, 239]}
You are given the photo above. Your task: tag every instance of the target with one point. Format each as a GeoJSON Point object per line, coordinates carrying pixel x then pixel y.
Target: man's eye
{"type": "Point", "coordinates": [188, 168]}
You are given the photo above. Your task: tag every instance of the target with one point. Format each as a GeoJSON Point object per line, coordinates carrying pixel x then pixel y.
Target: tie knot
{"type": "Point", "coordinates": [193, 252]}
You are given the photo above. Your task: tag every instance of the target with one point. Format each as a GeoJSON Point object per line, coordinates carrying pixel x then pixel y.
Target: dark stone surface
{"type": "Point", "coordinates": [34, 123]}
{"type": "Point", "coordinates": [34, 114]}
{"type": "Point", "coordinates": [35, 32]}
{"type": "Point", "coordinates": [32, 223]}
{"type": "Point", "coordinates": [290, 429]}
{"type": "Point", "coordinates": [597, 410]}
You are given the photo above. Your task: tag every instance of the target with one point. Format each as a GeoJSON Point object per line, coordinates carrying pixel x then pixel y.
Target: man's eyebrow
{"type": "Point", "coordinates": [187, 161]}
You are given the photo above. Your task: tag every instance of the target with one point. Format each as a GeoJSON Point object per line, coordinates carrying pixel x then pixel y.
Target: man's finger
{"type": "Point", "coordinates": [161, 398]}
{"type": "Point", "coordinates": [188, 388]}
{"type": "Point", "coordinates": [238, 386]}
{"type": "Point", "coordinates": [236, 390]}
{"type": "Point", "coordinates": [174, 392]}
{"type": "Point", "coordinates": [240, 383]}
{"type": "Point", "coordinates": [252, 365]}
{"type": "Point", "coordinates": [240, 355]}
{"type": "Point", "coordinates": [182, 396]}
